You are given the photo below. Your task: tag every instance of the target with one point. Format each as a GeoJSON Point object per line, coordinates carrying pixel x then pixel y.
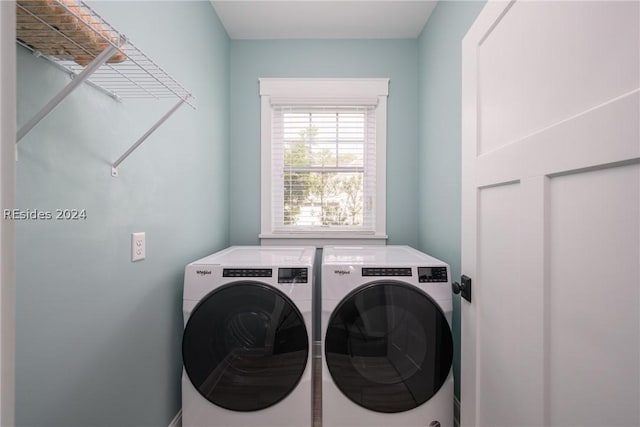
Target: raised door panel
{"type": "Point", "coordinates": [594, 298]}
{"type": "Point", "coordinates": [542, 65]}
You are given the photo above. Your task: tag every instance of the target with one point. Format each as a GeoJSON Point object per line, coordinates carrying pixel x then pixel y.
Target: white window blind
{"type": "Point", "coordinates": [323, 160]}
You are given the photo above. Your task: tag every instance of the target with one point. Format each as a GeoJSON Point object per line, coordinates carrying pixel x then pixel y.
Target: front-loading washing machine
{"type": "Point", "coordinates": [387, 346]}
{"type": "Point", "coordinates": [246, 346]}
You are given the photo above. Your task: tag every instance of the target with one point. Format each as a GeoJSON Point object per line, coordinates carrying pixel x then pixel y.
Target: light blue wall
{"type": "Point", "coordinates": [439, 88]}
{"type": "Point", "coordinates": [98, 337]}
{"type": "Point", "coordinates": [396, 59]}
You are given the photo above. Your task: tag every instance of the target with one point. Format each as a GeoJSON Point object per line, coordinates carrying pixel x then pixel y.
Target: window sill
{"type": "Point", "coordinates": [312, 239]}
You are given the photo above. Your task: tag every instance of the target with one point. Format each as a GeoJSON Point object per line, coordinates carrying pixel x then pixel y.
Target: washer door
{"type": "Point", "coordinates": [245, 346]}
{"type": "Point", "coordinates": [388, 347]}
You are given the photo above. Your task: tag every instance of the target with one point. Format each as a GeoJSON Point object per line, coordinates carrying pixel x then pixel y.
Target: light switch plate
{"type": "Point", "coordinates": [138, 246]}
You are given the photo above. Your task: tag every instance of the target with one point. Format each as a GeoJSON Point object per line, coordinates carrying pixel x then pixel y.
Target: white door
{"type": "Point", "coordinates": [551, 215]}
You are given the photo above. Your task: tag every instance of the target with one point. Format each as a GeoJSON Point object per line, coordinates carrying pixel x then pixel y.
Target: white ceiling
{"type": "Point", "coordinates": [323, 19]}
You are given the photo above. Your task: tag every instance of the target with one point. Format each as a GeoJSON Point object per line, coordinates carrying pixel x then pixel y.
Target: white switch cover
{"type": "Point", "coordinates": [138, 246]}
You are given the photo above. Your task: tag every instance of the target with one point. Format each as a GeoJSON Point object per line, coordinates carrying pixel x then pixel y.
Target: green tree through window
{"type": "Point", "coordinates": [323, 172]}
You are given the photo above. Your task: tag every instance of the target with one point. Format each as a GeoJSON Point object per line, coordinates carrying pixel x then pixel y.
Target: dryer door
{"type": "Point", "coordinates": [245, 346]}
{"type": "Point", "coordinates": [388, 347]}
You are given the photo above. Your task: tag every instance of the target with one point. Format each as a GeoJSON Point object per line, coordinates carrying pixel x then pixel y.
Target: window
{"type": "Point", "coordinates": [319, 154]}
{"type": "Point", "coordinates": [323, 158]}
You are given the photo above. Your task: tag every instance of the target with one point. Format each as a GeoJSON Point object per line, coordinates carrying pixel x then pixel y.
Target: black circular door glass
{"type": "Point", "coordinates": [245, 346]}
{"type": "Point", "coordinates": [388, 347]}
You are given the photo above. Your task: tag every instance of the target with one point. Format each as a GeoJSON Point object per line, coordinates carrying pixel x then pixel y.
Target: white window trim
{"type": "Point", "coordinates": [323, 92]}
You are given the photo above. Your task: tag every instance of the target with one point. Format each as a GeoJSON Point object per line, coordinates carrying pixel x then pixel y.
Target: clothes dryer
{"type": "Point", "coordinates": [247, 338]}
{"type": "Point", "coordinates": [387, 347]}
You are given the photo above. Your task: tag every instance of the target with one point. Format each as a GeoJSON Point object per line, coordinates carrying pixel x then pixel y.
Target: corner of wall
{"type": "Point", "coordinates": [7, 201]}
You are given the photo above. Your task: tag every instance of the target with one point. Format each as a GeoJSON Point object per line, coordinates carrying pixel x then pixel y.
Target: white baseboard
{"type": "Point", "coordinates": [456, 412]}
{"type": "Point", "coordinates": [177, 420]}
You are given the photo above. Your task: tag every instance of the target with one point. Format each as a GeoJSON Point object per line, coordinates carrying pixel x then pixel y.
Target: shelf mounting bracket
{"type": "Point", "coordinates": [75, 82]}
{"type": "Point", "coordinates": [114, 166]}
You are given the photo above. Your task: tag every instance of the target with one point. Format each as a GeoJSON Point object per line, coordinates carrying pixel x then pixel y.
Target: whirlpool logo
{"type": "Point", "coordinates": [203, 272]}
{"type": "Point", "coordinates": [341, 272]}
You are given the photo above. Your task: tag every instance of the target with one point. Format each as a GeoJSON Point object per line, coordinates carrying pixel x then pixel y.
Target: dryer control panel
{"type": "Point", "coordinates": [247, 272]}
{"type": "Point", "coordinates": [386, 271]}
{"type": "Point", "coordinates": [293, 275]}
{"type": "Point", "coordinates": [432, 274]}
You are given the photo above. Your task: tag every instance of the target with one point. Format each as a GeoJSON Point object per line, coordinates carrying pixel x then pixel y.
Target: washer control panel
{"type": "Point", "coordinates": [386, 271]}
{"type": "Point", "coordinates": [432, 274]}
{"type": "Point", "coordinates": [247, 272]}
{"type": "Point", "coordinates": [293, 275]}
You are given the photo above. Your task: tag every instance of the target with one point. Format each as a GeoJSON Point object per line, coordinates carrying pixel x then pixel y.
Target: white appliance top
{"type": "Point", "coordinates": [258, 256]}
{"type": "Point", "coordinates": [377, 255]}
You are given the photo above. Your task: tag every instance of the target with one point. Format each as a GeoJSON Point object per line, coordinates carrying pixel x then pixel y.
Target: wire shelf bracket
{"type": "Point", "coordinates": [114, 166]}
{"type": "Point", "coordinates": [71, 35]}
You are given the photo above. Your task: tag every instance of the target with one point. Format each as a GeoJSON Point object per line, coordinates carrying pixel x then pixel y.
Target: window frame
{"type": "Point", "coordinates": [311, 91]}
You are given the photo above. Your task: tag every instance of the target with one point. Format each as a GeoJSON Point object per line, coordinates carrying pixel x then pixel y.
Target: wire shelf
{"type": "Point", "coordinates": [75, 38]}
{"type": "Point", "coordinates": [72, 35]}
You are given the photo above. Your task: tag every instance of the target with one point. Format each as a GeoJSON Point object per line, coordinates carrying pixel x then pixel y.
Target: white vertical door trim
{"type": "Point", "coordinates": [7, 201]}
{"type": "Point", "coordinates": [532, 289]}
{"type": "Point", "coordinates": [469, 224]}
{"type": "Point", "coordinates": [483, 25]}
